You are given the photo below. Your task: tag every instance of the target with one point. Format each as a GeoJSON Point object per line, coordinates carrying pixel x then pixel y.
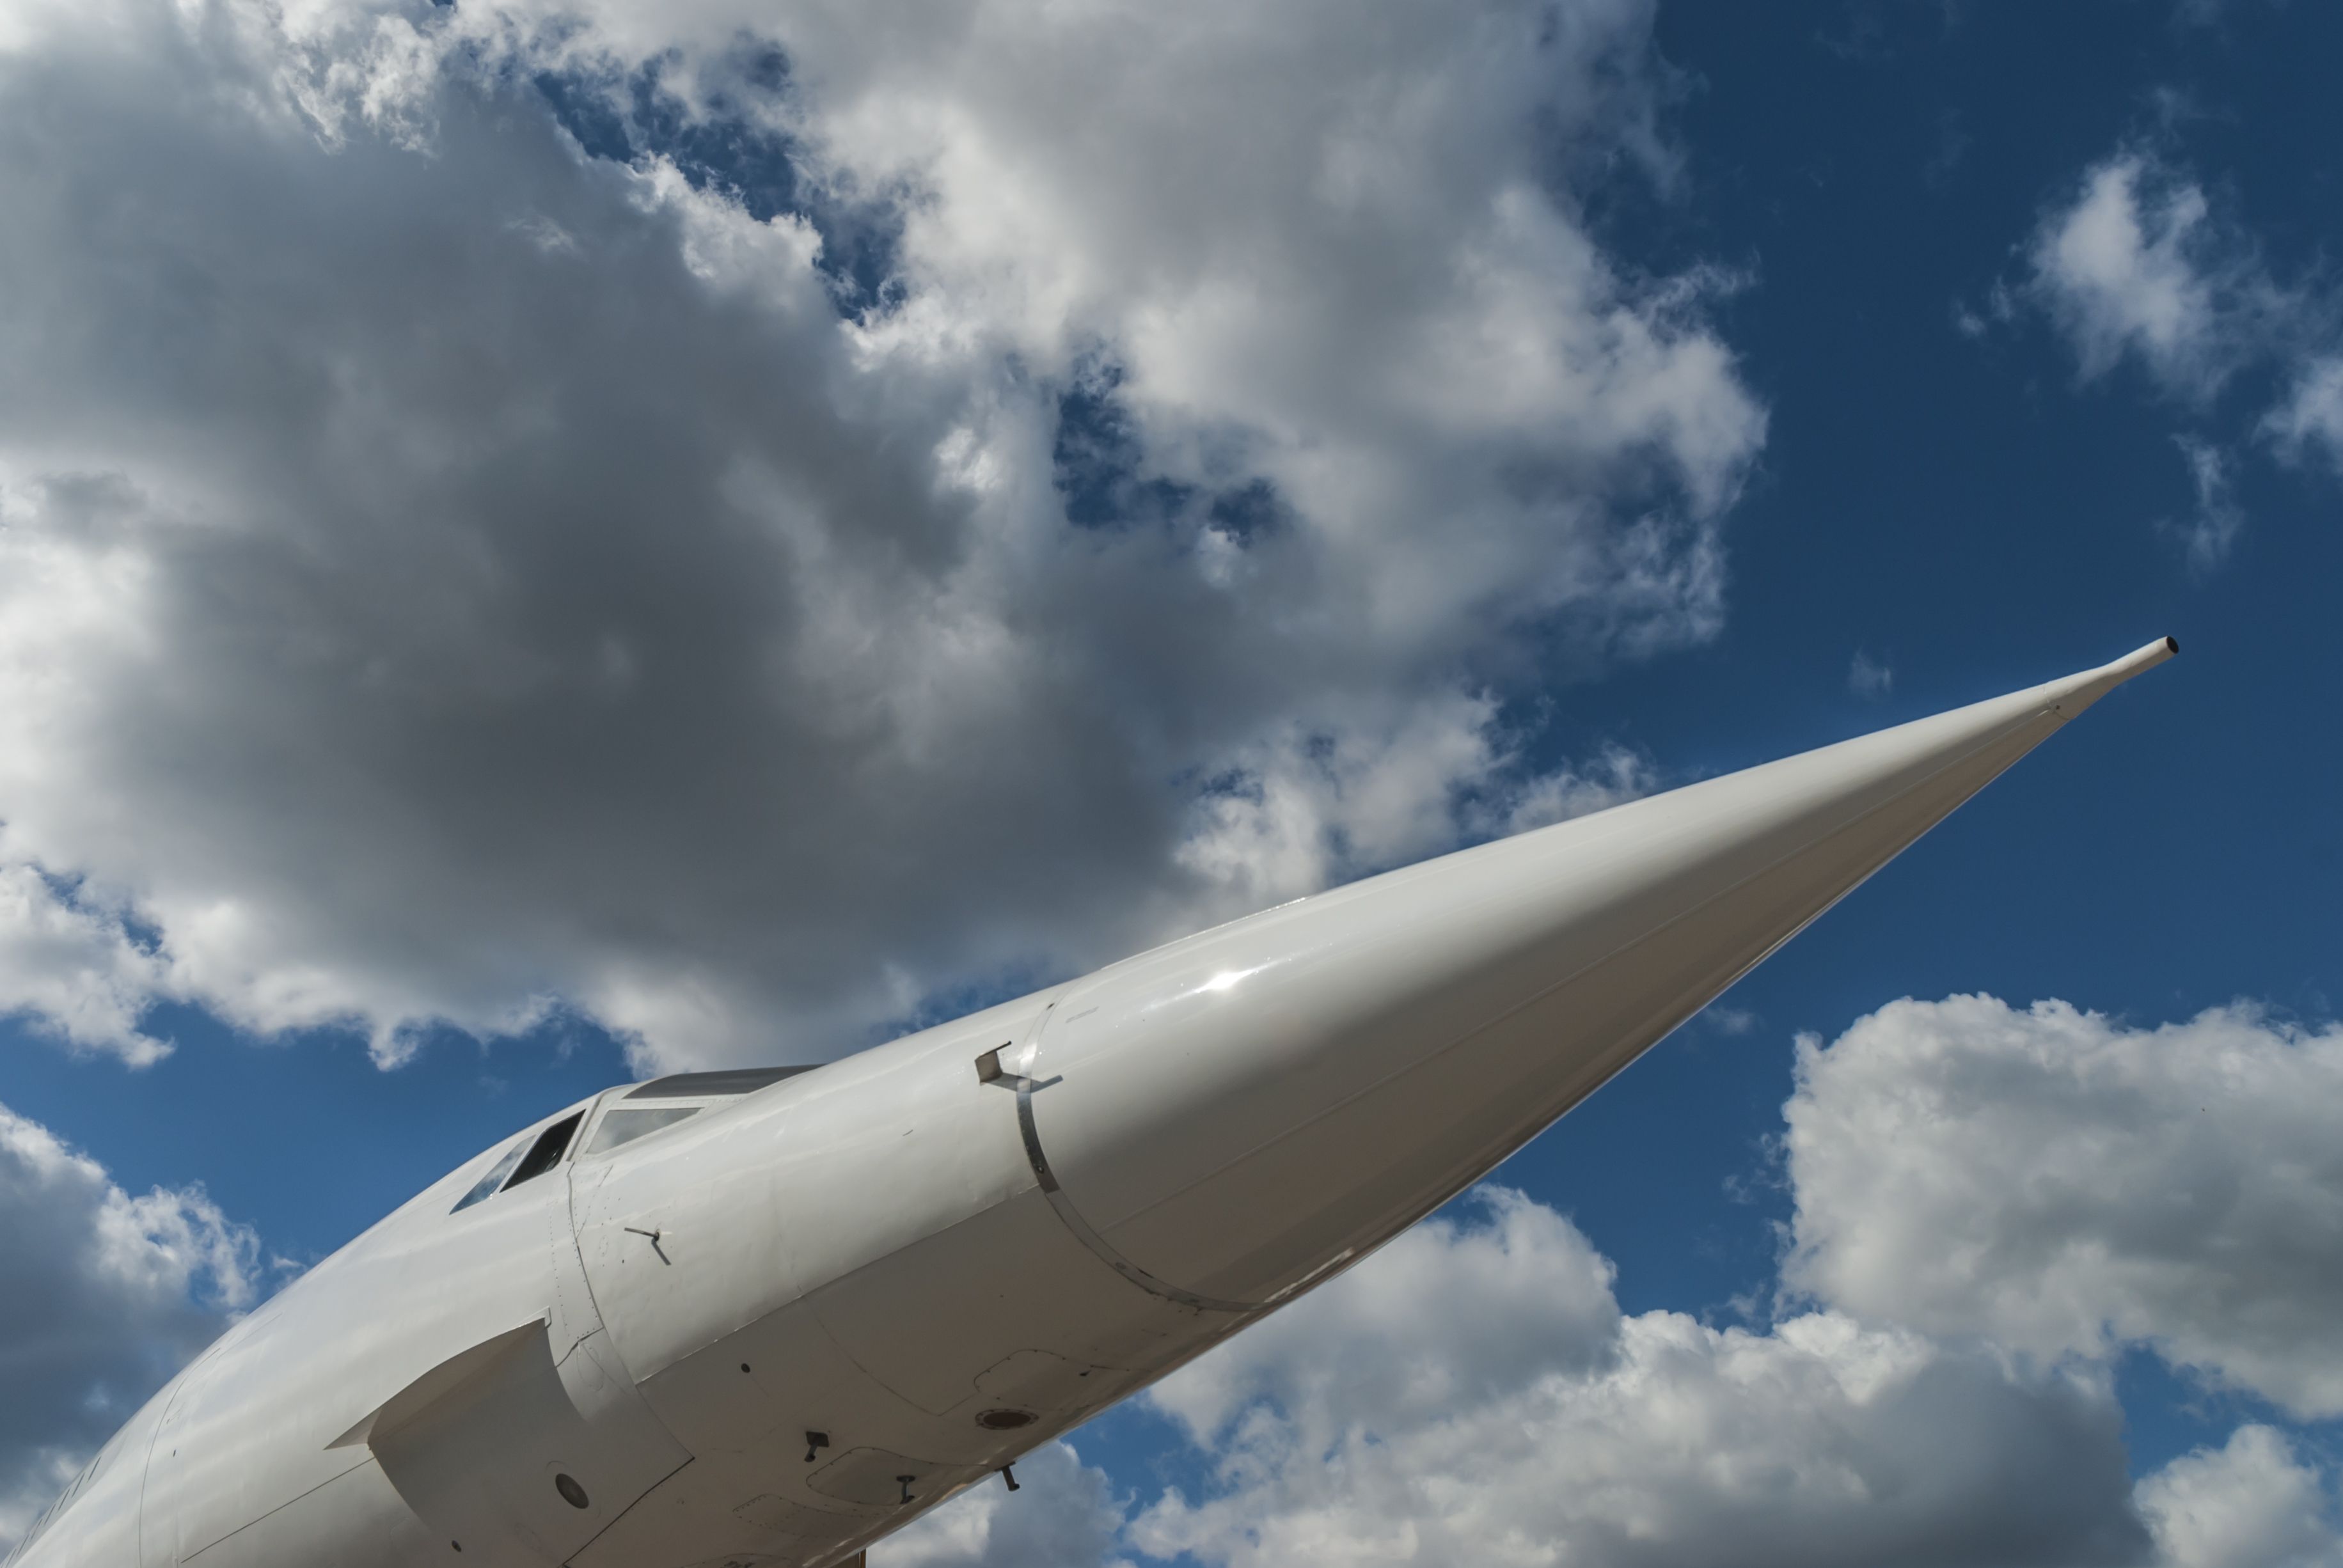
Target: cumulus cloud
{"type": "Point", "coordinates": [107, 1295]}
{"type": "Point", "coordinates": [2140, 267]}
{"type": "Point", "coordinates": [1065, 1515]}
{"type": "Point", "coordinates": [732, 521]}
{"type": "Point", "coordinates": [1614, 775]}
{"type": "Point", "coordinates": [1515, 1293]}
{"type": "Point", "coordinates": [2058, 1182]}
{"type": "Point", "coordinates": [2250, 1503]}
{"type": "Point", "coordinates": [74, 971]}
{"type": "Point", "coordinates": [2136, 265]}
{"type": "Point", "coordinates": [1472, 1393]}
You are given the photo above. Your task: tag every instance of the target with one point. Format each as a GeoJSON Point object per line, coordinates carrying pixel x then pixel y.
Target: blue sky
{"type": "Point", "coordinates": [526, 618]}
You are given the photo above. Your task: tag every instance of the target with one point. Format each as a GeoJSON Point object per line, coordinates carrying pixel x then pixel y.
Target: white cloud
{"type": "Point", "coordinates": [1309, 809]}
{"type": "Point", "coordinates": [1472, 1394]}
{"type": "Point", "coordinates": [1612, 777]}
{"type": "Point", "coordinates": [2058, 1182]}
{"type": "Point", "coordinates": [2207, 536]}
{"type": "Point", "coordinates": [1514, 1295]}
{"type": "Point", "coordinates": [2251, 1504]}
{"type": "Point", "coordinates": [74, 971]}
{"type": "Point", "coordinates": [107, 1295]}
{"type": "Point", "coordinates": [1302, 807]}
{"type": "Point", "coordinates": [1062, 1515]}
{"type": "Point", "coordinates": [2138, 265]}
{"type": "Point", "coordinates": [444, 576]}
{"type": "Point", "coordinates": [1869, 677]}
{"type": "Point", "coordinates": [2312, 413]}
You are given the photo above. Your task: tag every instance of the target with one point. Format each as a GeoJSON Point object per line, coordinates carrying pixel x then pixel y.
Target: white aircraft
{"type": "Point", "coordinates": [767, 1317]}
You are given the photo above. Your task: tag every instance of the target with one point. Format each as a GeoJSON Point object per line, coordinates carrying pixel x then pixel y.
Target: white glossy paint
{"type": "Point", "coordinates": [940, 1253]}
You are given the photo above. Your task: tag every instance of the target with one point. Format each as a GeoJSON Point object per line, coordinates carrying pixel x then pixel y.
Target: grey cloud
{"type": "Point", "coordinates": [107, 1295]}
{"type": "Point", "coordinates": [452, 577]}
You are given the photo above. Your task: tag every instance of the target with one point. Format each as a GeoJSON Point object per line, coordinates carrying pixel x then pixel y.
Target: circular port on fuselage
{"type": "Point", "coordinates": [1004, 1420]}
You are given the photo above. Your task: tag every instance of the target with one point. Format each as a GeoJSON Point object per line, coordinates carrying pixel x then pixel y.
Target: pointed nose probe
{"type": "Point", "coordinates": [1232, 1118]}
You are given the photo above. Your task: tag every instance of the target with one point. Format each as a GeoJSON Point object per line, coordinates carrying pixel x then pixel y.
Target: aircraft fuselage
{"type": "Point", "coordinates": [766, 1319]}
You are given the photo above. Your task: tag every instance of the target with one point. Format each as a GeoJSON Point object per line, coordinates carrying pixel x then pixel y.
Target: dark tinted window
{"type": "Point", "coordinates": [547, 1152]}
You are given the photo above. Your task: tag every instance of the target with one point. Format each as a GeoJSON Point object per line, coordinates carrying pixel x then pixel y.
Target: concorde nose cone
{"type": "Point", "coordinates": [1236, 1114]}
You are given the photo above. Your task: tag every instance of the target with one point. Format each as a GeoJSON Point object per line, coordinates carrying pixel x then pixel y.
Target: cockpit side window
{"type": "Point", "coordinates": [626, 1124]}
{"type": "Point", "coordinates": [527, 1157]}
{"type": "Point", "coordinates": [494, 1179]}
{"type": "Point", "coordinates": [547, 1152]}
{"type": "Point", "coordinates": [623, 1118]}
